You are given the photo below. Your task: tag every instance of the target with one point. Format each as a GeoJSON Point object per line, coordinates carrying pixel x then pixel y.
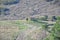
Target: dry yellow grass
{"type": "Point", "coordinates": [10, 29]}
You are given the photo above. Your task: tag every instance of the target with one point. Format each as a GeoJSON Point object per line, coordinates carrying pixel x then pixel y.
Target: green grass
{"type": "Point", "coordinates": [36, 22]}
{"type": "Point", "coordinates": [18, 23]}
{"type": "Point", "coordinates": [55, 32]}
{"type": "Point", "coordinates": [11, 29]}
{"type": "Point", "coordinates": [18, 26]}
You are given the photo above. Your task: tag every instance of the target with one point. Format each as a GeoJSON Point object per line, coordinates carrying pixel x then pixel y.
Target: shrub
{"type": "Point", "coordinates": [9, 2]}
{"type": "Point", "coordinates": [4, 11]}
{"type": "Point", "coordinates": [49, 0]}
{"type": "Point", "coordinates": [54, 18]}
{"type": "Point", "coordinates": [55, 33]}
{"type": "Point", "coordinates": [44, 18]}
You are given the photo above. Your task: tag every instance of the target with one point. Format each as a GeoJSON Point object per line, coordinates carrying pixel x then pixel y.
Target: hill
{"type": "Point", "coordinates": [28, 8]}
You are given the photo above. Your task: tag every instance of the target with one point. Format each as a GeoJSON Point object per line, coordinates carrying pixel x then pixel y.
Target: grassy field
{"type": "Point", "coordinates": [10, 29]}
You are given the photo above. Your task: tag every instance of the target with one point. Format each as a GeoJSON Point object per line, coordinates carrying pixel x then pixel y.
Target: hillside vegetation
{"type": "Point", "coordinates": [10, 29]}
{"type": "Point", "coordinates": [31, 29]}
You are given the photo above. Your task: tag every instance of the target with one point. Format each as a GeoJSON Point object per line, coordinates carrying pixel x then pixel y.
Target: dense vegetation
{"type": "Point", "coordinates": [55, 32]}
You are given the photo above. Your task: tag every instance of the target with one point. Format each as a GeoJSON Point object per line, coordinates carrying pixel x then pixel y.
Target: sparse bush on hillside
{"type": "Point", "coordinates": [49, 0]}
{"type": "Point", "coordinates": [54, 18]}
{"type": "Point", "coordinates": [58, 17]}
{"type": "Point", "coordinates": [54, 2]}
{"type": "Point", "coordinates": [55, 33]}
{"type": "Point", "coordinates": [27, 19]}
{"type": "Point", "coordinates": [4, 11]}
{"type": "Point", "coordinates": [9, 2]}
{"type": "Point", "coordinates": [44, 18]}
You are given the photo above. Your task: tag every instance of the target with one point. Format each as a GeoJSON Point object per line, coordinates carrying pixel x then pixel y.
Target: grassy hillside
{"type": "Point", "coordinates": [10, 29]}
{"type": "Point", "coordinates": [31, 29]}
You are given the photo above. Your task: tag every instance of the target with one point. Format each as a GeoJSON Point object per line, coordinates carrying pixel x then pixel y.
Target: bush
{"type": "Point", "coordinates": [49, 0]}
{"type": "Point", "coordinates": [44, 18]}
{"type": "Point", "coordinates": [4, 11]}
{"type": "Point", "coordinates": [54, 18]}
{"type": "Point", "coordinates": [55, 33]}
{"type": "Point", "coordinates": [9, 2]}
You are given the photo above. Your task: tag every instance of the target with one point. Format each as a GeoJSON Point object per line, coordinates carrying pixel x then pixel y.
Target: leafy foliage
{"type": "Point", "coordinates": [55, 33]}
{"type": "Point", "coordinates": [54, 18]}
